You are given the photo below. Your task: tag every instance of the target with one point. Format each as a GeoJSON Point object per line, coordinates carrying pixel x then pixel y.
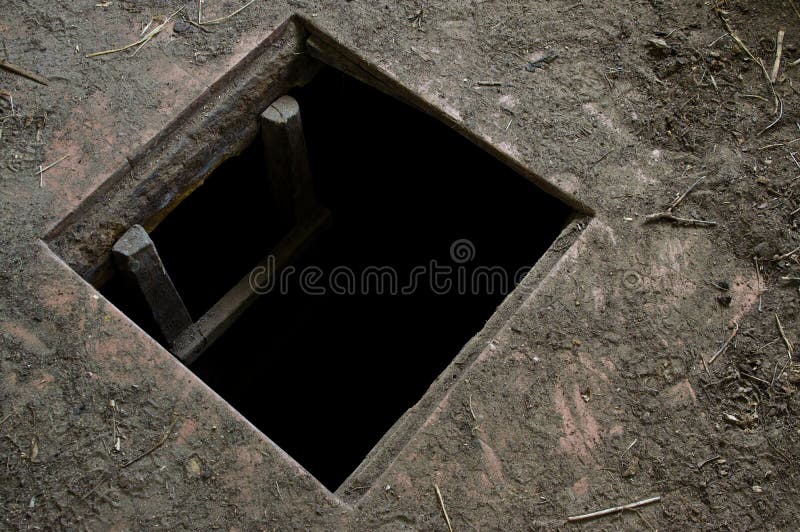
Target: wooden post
{"type": "Point", "coordinates": [288, 168]}
{"type": "Point", "coordinates": [135, 255]}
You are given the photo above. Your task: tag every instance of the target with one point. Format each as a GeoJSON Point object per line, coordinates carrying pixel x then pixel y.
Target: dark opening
{"type": "Point", "coordinates": [325, 376]}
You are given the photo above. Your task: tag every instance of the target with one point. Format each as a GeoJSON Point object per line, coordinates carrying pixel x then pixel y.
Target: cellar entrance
{"type": "Point", "coordinates": [424, 236]}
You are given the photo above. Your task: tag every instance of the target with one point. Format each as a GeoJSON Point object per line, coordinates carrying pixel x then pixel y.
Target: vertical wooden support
{"type": "Point", "coordinates": [287, 161]}
{"type": "Point", "coordinates": [135, 255]}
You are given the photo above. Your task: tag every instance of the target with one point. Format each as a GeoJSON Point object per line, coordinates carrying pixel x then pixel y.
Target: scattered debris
{"type": "Point", "coordinates": [181, 26]}
{"type": "Point", "coordinates": [570, 8]}
{"type": "Point", "coordinates": [778, 119]}
{"type": "Point", "coordinates": [43, 169]}
{"type": "Point", "coordinates": [778, 258]}
{"type": "Point", "coordinates": [727, 343]}
{"type": "Point", "coordinates": [742, 423]}
{"type": "Point", "coordinates": [158, 444]}
{"type": "Point", "coordinates": [614, 510]}
{"type": "Point", "coordinates": [141, 42]}
{"type": "Point", "coordinates": [658, 43]}
{"type": "Point", "coordinates": [710, 459]}
{"type": "Point", "coordinates": [202, 22]}
{"type": "Point", "coordinates": [444, 510]}
{"type": "Point", "coordinates": [34, 453]}
{"type": "Point", "coordinates": [731, 418]}
{"type": "Point", "coordinates": [7, 95]}
{"type": "Point", "coordinates": [720, 285]}
{"type": "Point", "coordinates": [632, 468]}
{"type": "Point", "coordinates": [117, 440]}
{"type": "Point", "coordinates": [629, 447]}
{"type": "Point", "coordinates": [794, 8]}
{"type": "Point", "coordinates": [789, 346]}
{"type": "Point", "coordinates": [658, 47]}
{"type": "Point", "coordinates": [600, 159]}
{"type": "Point", "coordinates": [25, 73]}
{"type": "Point", "coordinates": [778, 51]}
{"type": "Point", "coordinates": [669, 216]}
{"type": "Point", "coordinates": [417, 18]}
{"type": "Point", "coordinates": [746, 50]}
{"type": "Point", "coordinates": [779, 144]}
{"type": "Point", "coordinates": [542, 58]}
{"type": "Point", "coordinates": [103, 480]}
{"type": "Point", "coordinates": [194, 466]}
{"type": "Point", "coordinates": [423, 56]}
{"type": "Point", "coordinates": [759, 285]}
{"type": "Point", "coordinates": [474, 417]}
{"type": "Point", "coordinates": [586, 394]}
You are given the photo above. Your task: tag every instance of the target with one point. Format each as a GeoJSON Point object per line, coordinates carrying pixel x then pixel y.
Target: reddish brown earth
{"type": "Point", "coordinates": [589, 388]}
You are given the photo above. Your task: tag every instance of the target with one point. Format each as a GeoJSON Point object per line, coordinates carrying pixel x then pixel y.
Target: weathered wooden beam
{"type": "Point", "coordinates": [288, 168]}
{"type": "Point", "coordinates": [136, 257]}
{"type": "Point", "coordinates": [221, 316]}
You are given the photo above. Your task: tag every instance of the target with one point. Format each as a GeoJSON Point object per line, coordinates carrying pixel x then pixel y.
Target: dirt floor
{"type": "Point", "coordinates": [639, 360]}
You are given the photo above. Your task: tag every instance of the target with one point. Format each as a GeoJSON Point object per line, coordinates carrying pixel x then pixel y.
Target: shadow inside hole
{"type": "Point", "coordinates": [326, 376]}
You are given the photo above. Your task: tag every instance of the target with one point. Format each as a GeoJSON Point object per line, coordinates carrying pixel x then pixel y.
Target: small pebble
{"type": "Point", "coordinates": [181, 26]}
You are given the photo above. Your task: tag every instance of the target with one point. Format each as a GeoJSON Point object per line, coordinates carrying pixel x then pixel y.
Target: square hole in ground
{"type": "Point", "coordinates": [327, 361]}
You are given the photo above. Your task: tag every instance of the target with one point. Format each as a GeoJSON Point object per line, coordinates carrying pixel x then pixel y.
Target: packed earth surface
{"type": "Point", "coordinates": [648, 354]}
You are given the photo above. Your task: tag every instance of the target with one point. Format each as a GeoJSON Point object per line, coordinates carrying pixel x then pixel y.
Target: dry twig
{"type": "Point", "coordinates": [746, 50]}
{"type": "Point", "coordinates": [759, 283]}
{"type": "Point", "coordinates": [789, 346]}
{"type": "Point", "coordinates": [724, 346]}
{"type": "Point", "coordinates": [614, 510]}
{"type": "Point", "coordinates": [43, 169]}
{"type": "Point", "coordinates": [778, 51]}
{"type": "Point", "coordinates": [141, 42]}
{"type": "Point", "coordinates": [669, 216]}
{"type": "Point", "coordinates": [474, 418]}
{"type": "Point", "coordinates": [25, 73]}
{"type": "Point", "coordinates": [158, 444]}
{"type": "Point", "coordinates": [777, 119]}
{"type": "Point", "coordinates": [711, 458]}
{"type": "Point", "coordinates": [794, 7]}
{"type": "Point", "coordinates": [220, 19]}
{"type": "Point", "coordinates": [778, 144]}
{"type": "Point", "coordinates": [444, 510]}
{"type": "Point", "coordinates": [786, 255]}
